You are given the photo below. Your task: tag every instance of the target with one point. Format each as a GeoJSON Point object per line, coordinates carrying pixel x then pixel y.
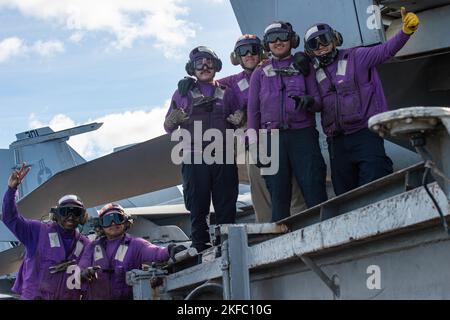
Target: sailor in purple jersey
{"type": "Point", "coordinates": [50, 247]}
{"type": "Point", "coordinates": [351, 93]}
{"type": "Point", "coordinates": [208, 103]}
{"type": "Point", "coordinates": [282, 97]}
{"type": "Point", "coordinates": [106, 260]}
{"type": "Point", "coordinates": [248, 53]}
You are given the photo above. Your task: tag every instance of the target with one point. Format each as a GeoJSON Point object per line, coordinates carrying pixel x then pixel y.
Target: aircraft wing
{"type": "Point", "coordinates": [5, 234]}
{"type": "Point", "coordinates": [173, 210]}
{"type": "Point", "coordinates": [139, 169]}
{"type": "Point", "coordinates": [11, 259]}
{"type": "Point", "coordinates": [160, 211]}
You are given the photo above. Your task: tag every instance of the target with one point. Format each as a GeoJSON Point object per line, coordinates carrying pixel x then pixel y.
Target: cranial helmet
{"type": "Point", "coordinates": [69, 204]}
{"type": "Point", "coordinates": [322, 33]}
{"type": "Point", "coordinates": [114, 209]}
{"type": "Point", "coordinates": [281, 26]}
{"type": "Point", "coordinates": [250, 41]}
{"type": "Point", "coordinates": [202, 52]}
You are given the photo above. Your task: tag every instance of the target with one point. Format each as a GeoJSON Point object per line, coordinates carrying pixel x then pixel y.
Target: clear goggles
{"type": "Point", "coordinates": [323, 39]}
{"type": "Point", "coordinates": [274, 36]}
{"type": "Point", "coordinates": [107, 219]}
{"type": "Point", "coordinates": [200, 63]}
{"type": "Point", "coordinates": [243, 50]}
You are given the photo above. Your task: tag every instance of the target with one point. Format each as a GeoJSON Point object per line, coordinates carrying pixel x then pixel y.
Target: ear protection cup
{"type": "Point", "coordinates": [265, 45]}
{"type": "Point", "coordinates": [218, 65]}
{"type": "Point", "coordinates": [295, 41]}
{"type": "Point", "coordinates": [189, 68]}
{"type": "Point", "coordinates": [84, 218]}
{"type": "Point", "coordinates": [234, 59]}
{"type": "Point", "coordinates": [51, 214]}
{"type": "Point", "coordinates": [339, 40]}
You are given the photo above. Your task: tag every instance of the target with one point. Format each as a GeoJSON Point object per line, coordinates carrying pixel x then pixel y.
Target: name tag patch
{"type": "Point", "coordinates": [54, 240]}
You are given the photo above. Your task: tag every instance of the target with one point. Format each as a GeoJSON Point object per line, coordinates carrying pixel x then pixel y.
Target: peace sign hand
{"type": "Point", "coordinates": [17, 176]}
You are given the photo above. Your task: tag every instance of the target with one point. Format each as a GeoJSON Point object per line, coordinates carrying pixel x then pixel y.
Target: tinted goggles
{"type": "Point", "coordinates": [199, 64]}
{"type": "Point", "coordinates": [314, 43]}
{"type": "Point", "coordinates": [67, 211]}
{"type": "Point", "coordinates": [274, 36]}
{"type": "Point", "coordinates": [107, 219]}
{"type": "Point", "coordinates": [254, 49]}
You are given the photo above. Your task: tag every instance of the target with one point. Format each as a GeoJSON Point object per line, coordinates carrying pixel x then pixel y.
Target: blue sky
{"type": "Point", "coordinates": [70, 62]}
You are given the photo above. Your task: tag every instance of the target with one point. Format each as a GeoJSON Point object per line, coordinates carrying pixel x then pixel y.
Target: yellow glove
{"type": "Point", "coordinates": [410, 21]}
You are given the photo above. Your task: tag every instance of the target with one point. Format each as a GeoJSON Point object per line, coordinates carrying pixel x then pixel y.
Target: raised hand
{"type": "Point", "coordinates": [410, 21]}
{"type": "Point", "coordinates": [17, 176]}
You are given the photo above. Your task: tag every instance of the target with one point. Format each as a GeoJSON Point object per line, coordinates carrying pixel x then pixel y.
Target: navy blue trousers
{"type": "Point", "coordinates": [201, 182]}
{"type": "Point", "coordinates": [300, 156]}
{"type": "Point", "coordinates": [357, 159]}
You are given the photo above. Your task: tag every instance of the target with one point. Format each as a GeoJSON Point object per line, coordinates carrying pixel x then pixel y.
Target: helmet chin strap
{"type": "Point", "coordinates": [327, 58]}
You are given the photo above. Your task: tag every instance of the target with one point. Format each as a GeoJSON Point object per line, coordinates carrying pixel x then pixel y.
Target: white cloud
{"type": "Point", "coordinates": [14, 46]}
{"type": "Point", "coordinates": [118, 129]}
{"type": "Point", "coordinates": [47, 48]}
{"type": "Point", "coordinates": [10, 47]}
{"type": "Point", "coordinates": [76, 37]}
{"type": "Point", "coordinates": [126, 20]}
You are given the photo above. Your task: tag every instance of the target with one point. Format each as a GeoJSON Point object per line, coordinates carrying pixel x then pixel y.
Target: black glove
{"type": "Point", "coordinates": [174, 249]}
{"type": "Point", "coordinates": [302, 63]}
{"type": "Point", "coordinates": [89, 273]}
{"type": "Point", "coordinates": [303, 102]}
{"type": "Point", "coordinates": [185, 85]}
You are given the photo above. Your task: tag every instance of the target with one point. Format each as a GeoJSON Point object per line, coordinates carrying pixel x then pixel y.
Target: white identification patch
{"type": "Point", "coordinates": [342, 67]}
{"type": "Point", "coordinates": [243, 84]}
{"type": "Point", "coordinates": [195, 93]}
{"type": "Point", "coordinates": [98, 253]}
{"type": "Point", "coordinates": [320, 75]}
{"type": "Point", "coordinates": [219, 93]}
{"type": "Point", "coordinates": [79, 247]}
{"type": "Point", "coordinates": [54, 240]}
{"type": "Point", "coordinates": [268, 70]}
{"type": "Point", "coordinates": [121, 252]}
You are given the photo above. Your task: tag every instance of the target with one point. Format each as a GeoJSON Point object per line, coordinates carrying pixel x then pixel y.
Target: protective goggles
{"type": "Point", "coordinates": [107, 219]}
{"type": "Point", "coordinates": [67, 211]}
{"type": "Point", "coordinates": [323, 39]}
{"type": "Point", "coordinates": [200, 63]}
{"type": "Point", "coordinates": [274, 36]}
{"type": "Point", "coordinates": [254, 49]}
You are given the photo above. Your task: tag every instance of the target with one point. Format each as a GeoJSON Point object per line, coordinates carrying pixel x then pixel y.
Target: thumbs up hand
{"type": "Point", "coordinates": [410, 21]}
